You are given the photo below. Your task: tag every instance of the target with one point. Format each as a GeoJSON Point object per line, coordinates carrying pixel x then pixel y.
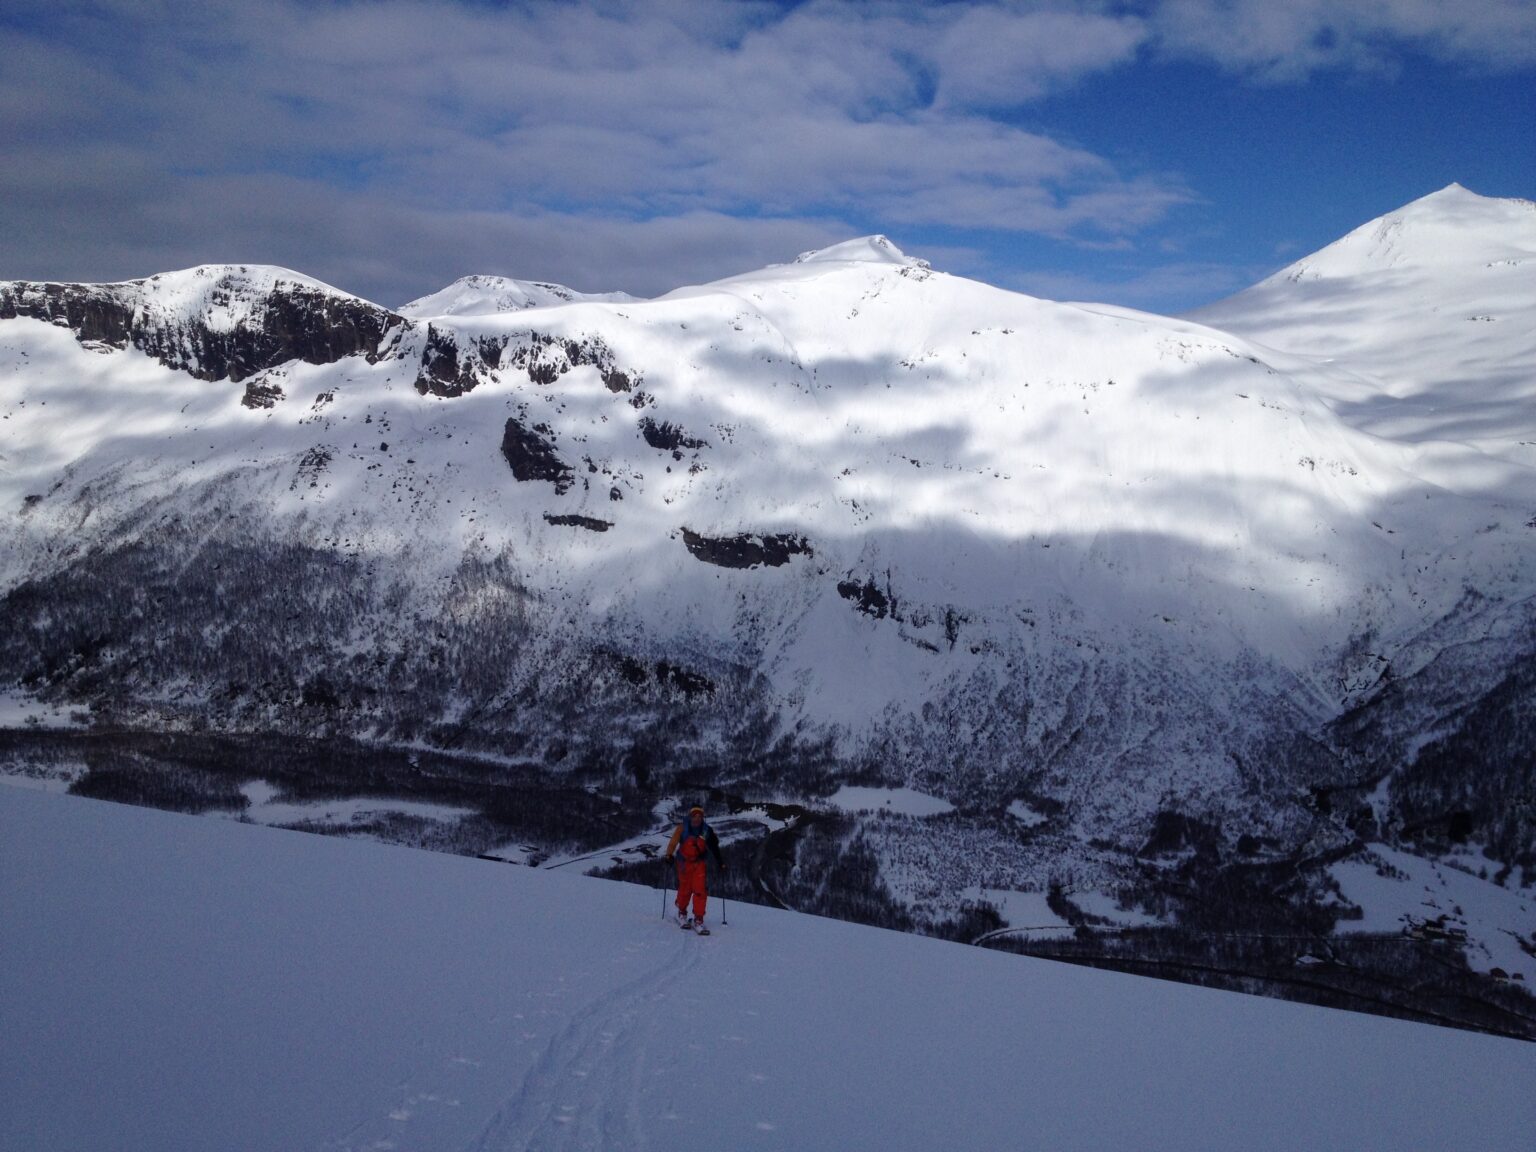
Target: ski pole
{"type": "Point", "coordinates": [664, 895]}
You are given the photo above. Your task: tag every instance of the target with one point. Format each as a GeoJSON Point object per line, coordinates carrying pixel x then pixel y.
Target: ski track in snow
{"type": "Point", "coordinates": [586, 1090]}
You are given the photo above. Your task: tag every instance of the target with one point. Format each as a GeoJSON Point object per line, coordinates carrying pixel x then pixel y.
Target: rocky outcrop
{"type": "Point", "coordinates": [262, 321]}
{"type": "Point", "coordinates": [231, 323]}
{"type": "Point", "coordinates": [664, 673]}
{"type": "Point", "coordinates": [669, 437]}
{"type": "Point", "coordinates": [590, 523]}
{"type": "Point", "coordinates": [867, 597]}
{"type": "Point", "coordinates": [531, 453]}
{"type": "Point", "coordinates": [261, 394]}
{"type": "Point", "coordinates": [746, 549]}
{"type": "Point", "coordinates": [546, 358]}
{"type": "Point", "coordinates": [452, 365]}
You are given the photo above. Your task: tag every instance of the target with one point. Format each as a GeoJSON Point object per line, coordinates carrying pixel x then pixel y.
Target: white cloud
{"type": "Point", "coordinates": [1286, 42]}
{"type": "Point", "coordinates": [995, 58]}
{"type": "Point", "coordinates": [684, 111]}
{"type": "Point", "coordinates": [373, 246]}
{"type": "Point", "coordinates": [352, 140]}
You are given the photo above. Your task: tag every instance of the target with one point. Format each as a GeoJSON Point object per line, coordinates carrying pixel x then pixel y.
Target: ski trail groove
{"type": "Point", "coordinates": [586, 1088]}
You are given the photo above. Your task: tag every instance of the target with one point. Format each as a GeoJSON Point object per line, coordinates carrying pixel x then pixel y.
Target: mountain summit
{"type": "Point", "coordinates": [1429, 311]}
{"type": "Point", "coordinates": [864, 249]}
{"type": "Point", "coordinates": [215, 322]}
{"type": "Point", "coordinates": [489, 295]}
{"type": "Point", "coordinates": [1448, 229]}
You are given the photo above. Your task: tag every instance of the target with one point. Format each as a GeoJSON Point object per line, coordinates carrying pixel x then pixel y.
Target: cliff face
{"type": "Point", "coordinates": [212, 323]}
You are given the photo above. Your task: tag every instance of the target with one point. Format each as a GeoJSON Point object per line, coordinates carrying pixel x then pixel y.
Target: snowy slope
{"type": "Point", "coordinates": [1425, 321]}
{"type": "Point", "coordinates": [1432, 307]}
{"type": "Point", "coordinates": [488, 295]}
{"type": "Point", "coordinates": [182, 984]}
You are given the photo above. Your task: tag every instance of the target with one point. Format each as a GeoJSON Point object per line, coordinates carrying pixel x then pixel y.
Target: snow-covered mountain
{"type": "Point", "coordinates": [1425, 320]}
{"type": "Point", "coordinates": [182, 984]}
{"type": "Point", "coordinates": [488, 295]}
{"type": "Point", "coordinates": [215, 322]}
{"type": "Point", "coordinates": [1218, 588]}
{"type": "Point", "coordinates": [1430, 312]}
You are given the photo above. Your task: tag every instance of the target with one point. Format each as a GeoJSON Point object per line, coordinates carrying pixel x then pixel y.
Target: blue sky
{"type": "Point", "coordinates": [1160, 154]}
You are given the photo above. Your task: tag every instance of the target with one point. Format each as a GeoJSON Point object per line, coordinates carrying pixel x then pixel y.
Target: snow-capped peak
{"type": "Point", "coordinates": [218, 295]}
{"type": "Point", "coordinates": [222, 296]}
{"type": "Point", "coordinates": [1431, 305]}
{"type": "Point", "coordinates": [863, 250]}
{"type": "Point", "coordinates": [259, 277]}
{"type": "Point", "coordinates": [490, 295]}
{"type": "Point", "coordinates": [1450, 227]}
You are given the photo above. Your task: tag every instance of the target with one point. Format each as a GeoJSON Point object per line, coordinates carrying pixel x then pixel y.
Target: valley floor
{"type": "Point", "coordinates": [174, 983]}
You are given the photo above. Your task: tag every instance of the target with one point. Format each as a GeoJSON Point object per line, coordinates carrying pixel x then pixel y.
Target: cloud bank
{"type": "Point", "coordinates": [392, 146]}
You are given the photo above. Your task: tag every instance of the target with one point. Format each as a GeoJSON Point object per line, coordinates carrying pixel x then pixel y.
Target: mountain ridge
{"type": "Point", "coordinates": [487, 295]}
{"type": "Point", "coordinates": [840, 520]}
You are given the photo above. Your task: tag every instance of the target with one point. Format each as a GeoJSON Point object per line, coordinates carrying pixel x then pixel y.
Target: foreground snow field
{"type": "Point", "coordinates": [172, 983]}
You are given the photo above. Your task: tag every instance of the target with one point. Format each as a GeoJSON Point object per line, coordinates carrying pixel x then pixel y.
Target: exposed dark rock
{"type": "Point", "coordinates": [546, 358]}
{"type": "Point", "coordinates": [867, 597]}
{"type": "Point", "coordinates": [259, 395]}
{"type": "Point", "coordinates": [312, 465]}
{"type": "Point", "coordinates": [669, 437]}
{"type": "Point", "coordinates": [449, 368]}
{"type": "Point", "coordinates": [95, 313]}
{"type": "Point", "coordinates": [442, 373]}
{"type": "Point", "coordinates": [1459, 826]}
{"type": "Point", "coordinates": [746, 549]}
{"type": "Point", "coordinates": [291, 322]}
{"type": "Point", "coordinates": [531, 453]}
{"type": "Point", "coordinates": [591, 524]}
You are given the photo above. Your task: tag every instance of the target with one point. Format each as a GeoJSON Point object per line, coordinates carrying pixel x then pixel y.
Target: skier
{"type": "Point", "coordinates": [690, 840]}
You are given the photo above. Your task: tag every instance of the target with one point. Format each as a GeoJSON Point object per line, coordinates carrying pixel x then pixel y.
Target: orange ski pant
{"type": "Point", "coordinates": [690, 883]}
